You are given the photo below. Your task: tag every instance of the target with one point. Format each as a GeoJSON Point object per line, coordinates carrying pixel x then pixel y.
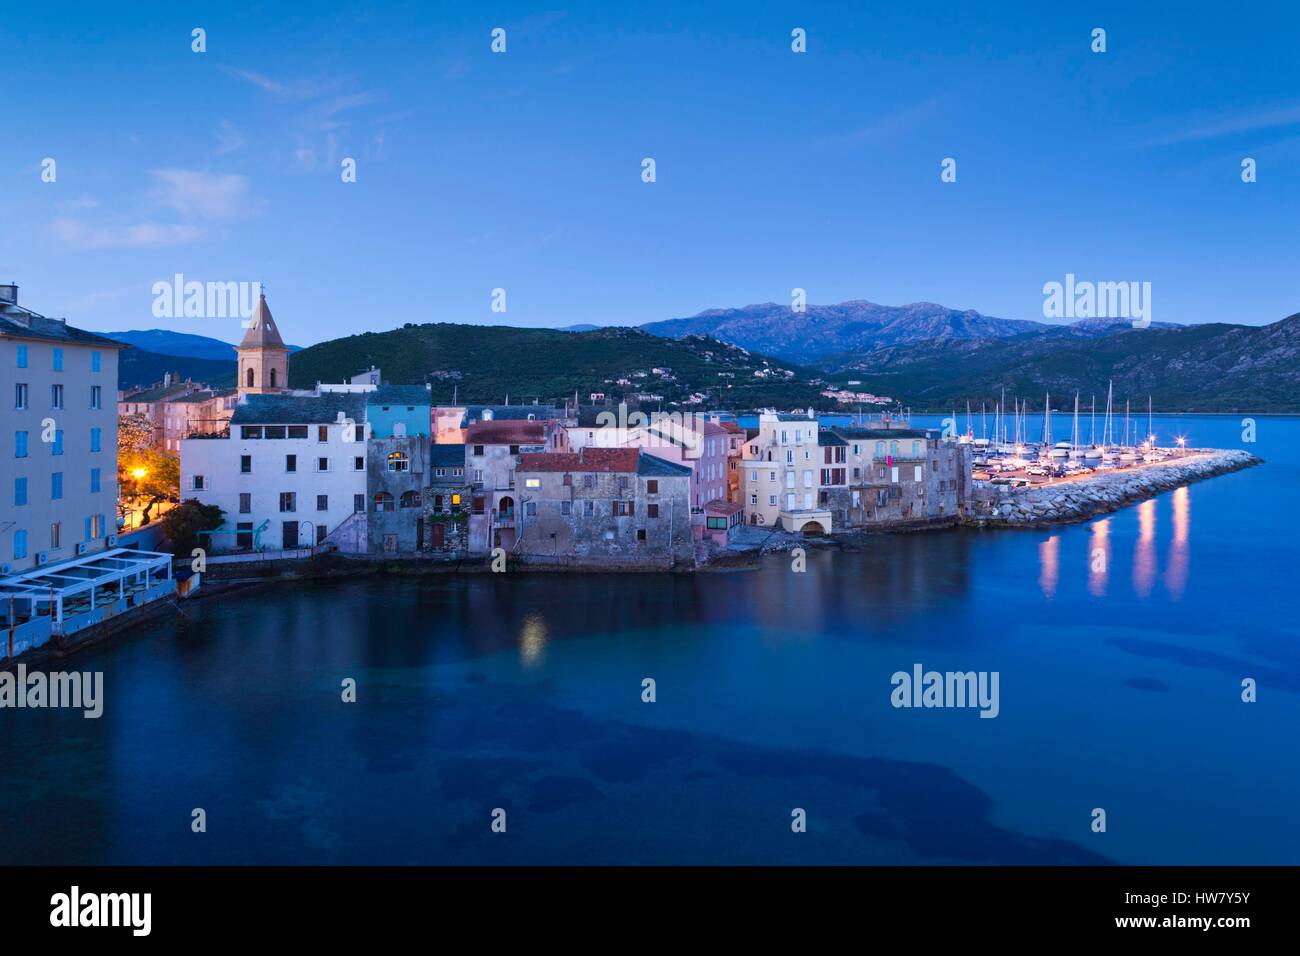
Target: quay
{"type": "Point", "coordinates": [1078, 498]}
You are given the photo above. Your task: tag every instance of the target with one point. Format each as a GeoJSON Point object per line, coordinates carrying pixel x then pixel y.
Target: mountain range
{"type": "Point", "coordinates": [922, 354]}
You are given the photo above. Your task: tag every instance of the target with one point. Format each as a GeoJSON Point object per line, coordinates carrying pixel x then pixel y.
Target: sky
{"type": "Point", "coordinates": [522, 170]}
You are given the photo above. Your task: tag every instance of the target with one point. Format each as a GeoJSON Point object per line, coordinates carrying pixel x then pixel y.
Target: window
{"type": "Point", "coordinates": [288, 501]}
{"type": "Point", "coordinates": [20, 444]}
{"type": "Point", "coordinates": [250, 431]}
{"type": "Point", "coordinates": [273, 377]}
{"type": "Point", "coordinates": [358, 464]}
{"type": "Point", "coordinates": [455, 502]}
{"type": "Point", "coordinates": [589, 481]}
{"type": "Point", "coordinates": [95, 439]}
{"type": "Point", "coordinates": [20, 395]}
{"type": "Point", "coordinates": [274, 431]}
{"type": "Point", "coordinates": [290, 463]}
{"type": "Point", "coordinates": [56, 396]}
{"type": "Point", "coordinates": [322, 502]}
{"type": "Point", "coordinates": [94, 527]}
{"type": "Point", "coordinates": [20, 545]}
{"type": "Point", "coordinates": [358, 503]}
{"type": "Point", "coordinates": [589, 507]}
{"type": "Point", "coordinates": [397, 461]}
{"type": "Point", "coordinates": [568, 481]}
{"type": "Point", "coordinates": [95, 363]}
{"type": "Point", "coordinates": [532, 482]}
{"type": "Point", "coordinates": [322, 464]}
{"type": "Point", "coordinates": [753, 500]}
{"type": "Point", "coordinates": [640, 534]}
{"type": "Point", "coordinates": [248, 379]}
{"type": "Point", "coordinates": [94, 481]}
{"type": "Point", "coordinates": [56, 446]}
{"type": "Point", "coordinates": [478, 449]}
{"type": "Point", "coordinates": [916, 473]}
{"type": "Point", "coordinates": [652, 511]}
{"type": "Point", "coordinates": [530, 509]}
{"type": "Point", "coordinates": [245, 503]}
{"type": "Point", "coordinates": [96, 396]}
{"type": "Point", "coordinates": [197, 482]}
{"type": "Point", "coordinates": [322, 433]}
{"type": "Point", "coordinates": [622, 509]}
{"type": "Point", "coordinates": [245, 464]}
{"type": "Point", "coordinates": [383, 501]}
{"type": "Point", "coordinates": [320, 533]}
{"type": "Point", "coordinates": [22, 356]}
{"type": "Point", "coordinates": [58, 360]}
{"type": "Point", "coordinates": [478, 503]}
{"type": "Point", "coordinates": [652, 486]}
{"type": "Point", "coordinates": [297, 431]}
{"type": "Point", "coordinates": [437, 502]}
{"type": "Point", "coordinates": [716, 524]}
{"type": "Point", "coordinates": [20, 491]}
{"type": "Point", "coordinates": [771, 500]}
{"type": "Point", "coordinates": [409, 499]}
{"type": "Point", "coordinates": [56, 535]}
{"type": "Point", "coordinates": [514, 449]}
{"type": "Point", "coordinates": [566, 507]}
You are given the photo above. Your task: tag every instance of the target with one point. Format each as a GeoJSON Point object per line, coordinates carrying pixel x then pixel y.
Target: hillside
{"type": "Point", "coordinates": [137, 368]}
{"type": "Point", "coordinates": [1212, 367]}
{"type": "Point", "coordinates": [167, 342]}
{"type": "Point", "coordinates": [485, 363]}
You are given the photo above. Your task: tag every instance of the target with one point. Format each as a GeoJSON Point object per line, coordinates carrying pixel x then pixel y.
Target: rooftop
{"type": "Point", "coordinates": [399, 395]}
{"type": "Point", "coordinates": [19, 322]}
{"type": "Point", "coordinates": [261, 332]}
{"type": "Point", "coordinates": [506, 433]}
{"type": "Point", "coordinates": [446, 456]}
{"type": "Point", "coordinates": [322, 409]}
{"type": "Point", "coordinates": [586, 459]}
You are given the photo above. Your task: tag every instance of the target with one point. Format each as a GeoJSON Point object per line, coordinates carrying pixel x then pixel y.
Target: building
{"type": "Point", "coordinates": [263, 356]}
{"type": "Point", "coordinates": [780, 472]}
{"type": "Point", "coordinates": [736, 438]}
{"type": "Point", "coordinates": [58, 467]}
{"type": "Point", "coordinates": [397, 475]}
{"type": "Point", "coordinates": [892, 474]}
{"type": "Point", "coordinates": [448, 502]}
{"type": "Point", "coordinates": [604, 506]}
{"type": "Point", "coordinates": [493, 450]}
{"type": "Point", "coordinates": [149, 403]}
{"type": "Point", "coordinates": [200, 412]}
{"type": "Point", "coordinates": [399, 411]}
{"type": "Point", "coordinates": [451, 422]}
{"type": "Point", "coordinates": [289, 473]}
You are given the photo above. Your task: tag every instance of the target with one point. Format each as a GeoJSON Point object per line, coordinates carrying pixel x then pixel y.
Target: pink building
{"type": "Point", "coordinates": [703, 447]}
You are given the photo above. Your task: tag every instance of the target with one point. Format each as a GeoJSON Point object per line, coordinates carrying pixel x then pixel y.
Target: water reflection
{"type": "Point", "coordinates": [1179, 547]}
{"type": "Point", "coordinates": [1049, 555]}
{"type": "Point", "coordinates": [1099, 557]}
{"type": "Point", "coordinates": [1144, 551]}
{"type": "Point", "coordinates": [532, 640]}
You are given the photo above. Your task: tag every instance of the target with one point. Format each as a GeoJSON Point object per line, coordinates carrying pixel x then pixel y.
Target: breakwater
{"type": "Point", "coordinates": [1081, 498]}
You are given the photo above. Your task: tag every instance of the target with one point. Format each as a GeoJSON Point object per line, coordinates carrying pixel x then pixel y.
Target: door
{"type": "Point", "coordinates": [438, 532]}
{"type": "Point", "coordinates": [289, 534]}
{"type": "Point", "coordinates": [390, 543]}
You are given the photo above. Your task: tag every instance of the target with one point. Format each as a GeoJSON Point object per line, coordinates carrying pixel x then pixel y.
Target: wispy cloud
{"type": "Point", "coordinates": [80, 235]}
{"type": "Point", "coordinates": [1226, 124]}
{"type": "Point", "coordinates": [229, 138]}
{"type": "Point", "coordinates": [199, 195]}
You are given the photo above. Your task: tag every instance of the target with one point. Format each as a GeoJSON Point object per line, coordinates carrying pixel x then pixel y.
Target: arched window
{"type": "Point", "coordinates": [880, 449]}
{"type": "Point", "coordinates": [506, 507]}
{"type": "Point", "coordinates": [383, 501]}
{"type": "Point", "coordinates": [273, 378]}
{"type": "Point", "coordinates": [893, 448]}
{"type": "Point", "coordinates": [250, 378]}
{"type": "Point", "coordinates": [410, 499]}
{"type": "Point", "coordinates": [916, 449]}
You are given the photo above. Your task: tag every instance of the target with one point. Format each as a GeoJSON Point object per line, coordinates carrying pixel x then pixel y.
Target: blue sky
{"type": "Point", "coordinates": [523, 170]}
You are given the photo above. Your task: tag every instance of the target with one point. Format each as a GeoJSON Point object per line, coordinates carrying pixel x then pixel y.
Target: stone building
{"type": "Point", "coordinates": [492, 452]}
{"type": "Point", "coordinates": [779, 474]}
{"type": "Point", "coordinates": [397, 474]}
{"type": "Point", "coordinates": [881, 476]}
{"type": "Point", "coordinates": [448, 502]}
{"type": "Point", "coordinates": [604, 506]}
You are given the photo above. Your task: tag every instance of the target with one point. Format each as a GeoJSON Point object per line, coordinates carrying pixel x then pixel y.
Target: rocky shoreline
{"type": "Point", "coordinates": [1103, 493]}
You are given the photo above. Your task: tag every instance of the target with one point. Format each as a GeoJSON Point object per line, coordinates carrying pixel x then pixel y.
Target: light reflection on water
{"type": "Point", "coordinates": [1099, 557]}
{"type": "Point", "coordinates": [1179, 547]}
{"type": "Point", "coordinates": [1144, 551]}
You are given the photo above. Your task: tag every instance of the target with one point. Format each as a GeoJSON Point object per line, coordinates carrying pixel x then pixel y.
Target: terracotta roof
{"type": "Point", "coordinates": [587, 459]}
{"type": "Point", "coordinates": [518, 432]}
{"type": "Point", "coordinates": [718, 506]}
{"type": "Point", "coordinates": [730, 426]}
{"type": "Point", "coordinates": [262, 333]}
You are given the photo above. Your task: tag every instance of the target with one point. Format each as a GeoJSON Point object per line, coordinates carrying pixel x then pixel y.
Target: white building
{"type": "Point", "coordinates": [291, 470]}
{"type": "Point", "coordinates": [58, 454]}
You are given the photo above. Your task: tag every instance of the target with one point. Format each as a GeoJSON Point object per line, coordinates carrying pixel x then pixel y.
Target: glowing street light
{"type": "Point", "coordinates": [138, 473]}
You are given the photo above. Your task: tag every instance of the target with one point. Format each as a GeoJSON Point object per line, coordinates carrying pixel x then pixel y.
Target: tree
{"type": "Point", "coordinates": [149, 473]}
{"type": "Point", "coordinates": [134, 433]}
{"type": "Point", "coordinates": [181, 525]}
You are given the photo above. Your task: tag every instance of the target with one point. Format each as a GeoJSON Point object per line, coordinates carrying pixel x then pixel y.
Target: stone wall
{"type": "Point", "coordinates": [1105, 491]}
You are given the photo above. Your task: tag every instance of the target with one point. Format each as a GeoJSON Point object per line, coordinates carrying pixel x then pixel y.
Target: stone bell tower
{"type": "Point", "coordinates": [263, 356]}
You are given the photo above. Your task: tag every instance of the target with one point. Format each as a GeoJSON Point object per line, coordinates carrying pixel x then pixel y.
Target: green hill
{"type": "Point", "coordinates": [487, 363]}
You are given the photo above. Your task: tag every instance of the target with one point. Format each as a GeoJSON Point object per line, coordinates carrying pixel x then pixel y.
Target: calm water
{"type": "Point", "coordinates": [1120, 689]}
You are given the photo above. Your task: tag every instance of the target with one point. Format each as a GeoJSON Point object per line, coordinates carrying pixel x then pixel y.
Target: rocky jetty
{"type": "Point", "coordinates": [1103, 492]}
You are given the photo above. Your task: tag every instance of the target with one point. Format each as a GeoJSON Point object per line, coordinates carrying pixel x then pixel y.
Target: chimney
{"type": "Point", "coordinates": [9, 294]}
